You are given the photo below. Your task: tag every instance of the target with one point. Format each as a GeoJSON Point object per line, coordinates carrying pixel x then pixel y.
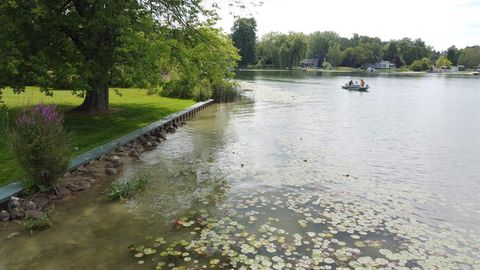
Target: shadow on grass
{"type": "Point", "coordinates": [90, 131]}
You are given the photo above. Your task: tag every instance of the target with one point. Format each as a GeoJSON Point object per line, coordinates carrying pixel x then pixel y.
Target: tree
{"type": "Point", "coordinates": [470, 57]}
{"type": "Point", "coordinates": [453, 54]}
{"type": "Point", "coordinates": [83, 42]}
{"type": "Point", "coordinates": [244, 36]}
{"type": "Point", "coordinates": [443, 61]}
{"type": "Point", "coordinates": [421, 65]}
{"type": "Point", "coordinates": [391, 51]}
{"type": "Point", "coordinates": [318, 44]}
{"type": "Point", "coordinates": [335, 55]}
{"type": "Point", "coordinates": [293, 49]}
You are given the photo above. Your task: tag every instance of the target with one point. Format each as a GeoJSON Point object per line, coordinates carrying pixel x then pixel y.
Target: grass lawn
{"type": "Point", "coordinates": [133, 110]}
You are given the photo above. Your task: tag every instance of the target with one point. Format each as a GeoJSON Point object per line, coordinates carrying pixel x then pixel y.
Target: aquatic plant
{"type": "Point", "coordinates": [39, 224]}
{"type": "Point", "coordinates": [41, 145]}
{"type": "Point", "coordinates": [124, 189]}
{"type": "Point", "coordinates": [226, 93]}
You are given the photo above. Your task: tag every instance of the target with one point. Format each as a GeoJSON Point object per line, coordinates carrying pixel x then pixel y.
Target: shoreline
{"type": "Point", "coordinates": [89, 169]}
{"type": "Point", "coordinates": [352, 70]}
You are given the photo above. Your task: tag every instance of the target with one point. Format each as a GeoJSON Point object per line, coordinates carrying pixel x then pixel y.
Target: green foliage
{"type": "Point", "coordinates": [319, 44]}
{"type": "Point", "coordinates": [134, 110]}
{"type": "Point", "coordinates": [34, 225]}
{"type": "Point", "coordinates": [327, 65]}
{"type": "Point", "coordinates": [120, 190]}
{"type": "Point", "coordinates": [443, 61]}
{"type": "Point", "coordinates": [421, 65]}
{"type": "Point", "coordinates": [281, 50]}
{"type": "Point", "coordinates": [470, 57]}
{"type": "Point", "coordinates": [244, 36]}
{"type": "Point", "coordinates": [41, 146]}
{"type": "Point", "coordinates": [88, 45]}
{"type": "Point", "coordinates": [226, 93]}
{"type": "Point", "coordinates": [452, 54]}
{"type": "Point", "coordinates": [204, 62]}
{"type": "Point", "coordinates": [335, 55]}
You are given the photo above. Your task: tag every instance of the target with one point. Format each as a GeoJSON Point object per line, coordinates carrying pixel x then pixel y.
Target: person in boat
{"type": "Point", "coordinates": [362, 82]}
{"type": "Point", "coordinates": [350, 83]}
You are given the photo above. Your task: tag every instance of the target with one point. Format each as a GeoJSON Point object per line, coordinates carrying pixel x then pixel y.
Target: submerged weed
{"type": "Point", "coordinates": [42, 223]}
{"type": "Point", "coordinates": [127, 188]}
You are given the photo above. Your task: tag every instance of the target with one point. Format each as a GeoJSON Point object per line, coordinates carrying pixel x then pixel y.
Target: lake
{"type": "Point", "coordinates": [298, 174]}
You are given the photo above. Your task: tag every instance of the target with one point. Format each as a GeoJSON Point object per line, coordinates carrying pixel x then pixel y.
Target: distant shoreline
{"type": "Point", "coordinates": [353, 70]}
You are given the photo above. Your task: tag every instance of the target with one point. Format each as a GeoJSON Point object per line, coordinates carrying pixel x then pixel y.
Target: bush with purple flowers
{"type": "Point", "coordinates": [41, 145]}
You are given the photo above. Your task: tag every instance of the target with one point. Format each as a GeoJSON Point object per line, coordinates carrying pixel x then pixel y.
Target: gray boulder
{"type": "Point", "coordinates": [33, 214]}
{"type": "Point", "coordinates": [4, 216]}
{"type": "Point", "coordinates": [111, 171]}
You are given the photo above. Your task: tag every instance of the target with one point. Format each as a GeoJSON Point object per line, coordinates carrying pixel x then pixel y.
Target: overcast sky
{"type": "Point", "coordinates": [440, 23]}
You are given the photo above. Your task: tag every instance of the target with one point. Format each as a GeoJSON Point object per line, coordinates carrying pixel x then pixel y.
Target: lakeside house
{"type": "Point", "coordinates": [310, 63]}
{"type": "Point", "coordinates": [384, 64]}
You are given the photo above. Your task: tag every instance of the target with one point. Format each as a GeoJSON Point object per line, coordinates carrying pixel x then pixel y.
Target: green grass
{"type": "Point", "coordinates": [133, 110]}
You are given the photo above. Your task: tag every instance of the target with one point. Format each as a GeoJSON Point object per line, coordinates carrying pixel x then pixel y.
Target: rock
{"type": "Point", "coordinates": [14, 208]}
{"type": "Point", "coordinates": [117, 162]}
{"type": "Point", "coordinates": [53, 196]}
{"type": "Point", "coordinates": [13, 234]}
{"type": "Point", "coordinates": [33, 214]}
{"type": "Point", "coordinates": [147, 145]}
{"type": "Point", "coordinates": [17, 213]}
{"type": "Point", "coordinates": [41, 201]}
{"type": "Point", "coordinates": [4, 216]}
{"type": "Point", "coordinates": [31, 205]}
{"type": "Point", "coordinates": [91, 180]}
{"type": "Point", "coordinates": [89, 173]}
{"type": "Point", "coordinates": [75, 187]}
{"type": "Point", "coordinates": [84, 183]}
{"type": "Point", "coordinates": [63, 191]}
{"type": "Point", "coordinates": [111, 171]}
{"type": "Point", "coordinates": [109, 165]}
{"type": "Point", "coordinates": [14, 202]}
{"type": "Point", "coordinates": [133, 153]}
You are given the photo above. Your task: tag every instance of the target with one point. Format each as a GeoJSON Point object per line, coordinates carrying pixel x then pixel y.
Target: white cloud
{"type": "Point", "coordinates": [439, 23]}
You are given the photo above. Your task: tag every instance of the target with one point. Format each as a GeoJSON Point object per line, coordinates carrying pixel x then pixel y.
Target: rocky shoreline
{"type": "Point", "coordinates": [105, 168]}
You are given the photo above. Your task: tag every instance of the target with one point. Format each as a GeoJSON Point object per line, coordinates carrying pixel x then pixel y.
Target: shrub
{"type": "Point", "coordinates": [327, 65]}
{"type": "Point", "coordinates": [202, 91]}
{"type": "Point", "coordinates": [421, 65]}
{"type": "Point", "coordinates": [41, 146]}
{"type": "Point", "coordinates": [127, 188]}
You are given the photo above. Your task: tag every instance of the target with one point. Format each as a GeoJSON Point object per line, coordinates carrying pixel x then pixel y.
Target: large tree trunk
{"type": "Point", "coordinates": [95, 101]}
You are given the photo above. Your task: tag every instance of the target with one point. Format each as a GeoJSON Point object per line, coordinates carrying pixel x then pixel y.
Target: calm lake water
{"type": "Point", "coordinates": [299, 174]}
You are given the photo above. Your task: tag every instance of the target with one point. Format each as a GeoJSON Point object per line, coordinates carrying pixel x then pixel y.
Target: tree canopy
{"type": "Point", "coordinates": [470, 57]}
{"type": "Point", "coordinates": [244, 36]}
{"type": "Point", "coordinates": [356, 51]}
{"type": "Point", "coordinates": [88, 46]}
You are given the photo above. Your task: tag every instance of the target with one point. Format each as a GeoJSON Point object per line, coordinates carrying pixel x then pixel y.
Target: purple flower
{"type": "Point", "coordinates": [40, 114]}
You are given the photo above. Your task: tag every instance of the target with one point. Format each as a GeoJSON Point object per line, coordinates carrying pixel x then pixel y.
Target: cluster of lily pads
{"type": "Point", "coordinates": [296, 229]}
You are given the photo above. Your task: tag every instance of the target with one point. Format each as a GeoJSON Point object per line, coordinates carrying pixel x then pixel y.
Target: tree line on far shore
{"type": "Point", "coordinates": [280, 50]}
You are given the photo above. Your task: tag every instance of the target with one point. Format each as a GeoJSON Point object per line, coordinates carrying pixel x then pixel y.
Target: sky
{"type": "Point", "coordinates": [440, 23]}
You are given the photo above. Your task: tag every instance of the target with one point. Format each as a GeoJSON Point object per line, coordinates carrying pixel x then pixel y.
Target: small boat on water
{"type": "Point", "coordinates": [356, 87]}
{"type": "Point", "coordinates": [476, 73]}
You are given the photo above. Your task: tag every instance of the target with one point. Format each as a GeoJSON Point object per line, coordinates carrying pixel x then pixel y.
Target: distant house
{"type": "Point", "coordinates": [382, 65]}
{"type": "Point", "coordinates": [312, 63]}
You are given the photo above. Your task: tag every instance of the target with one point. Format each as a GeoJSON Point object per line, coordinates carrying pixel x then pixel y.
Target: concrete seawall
{"type": "Point", "coordinates": [15, 188]}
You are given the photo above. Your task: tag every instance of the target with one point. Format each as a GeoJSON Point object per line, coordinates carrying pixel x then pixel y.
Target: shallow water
{"type": "Point", "coordinates": [300, 174]}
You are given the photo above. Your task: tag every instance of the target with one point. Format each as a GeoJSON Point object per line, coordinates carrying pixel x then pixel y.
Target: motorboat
{"type": "Point", "coordinates": [356, 87]}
